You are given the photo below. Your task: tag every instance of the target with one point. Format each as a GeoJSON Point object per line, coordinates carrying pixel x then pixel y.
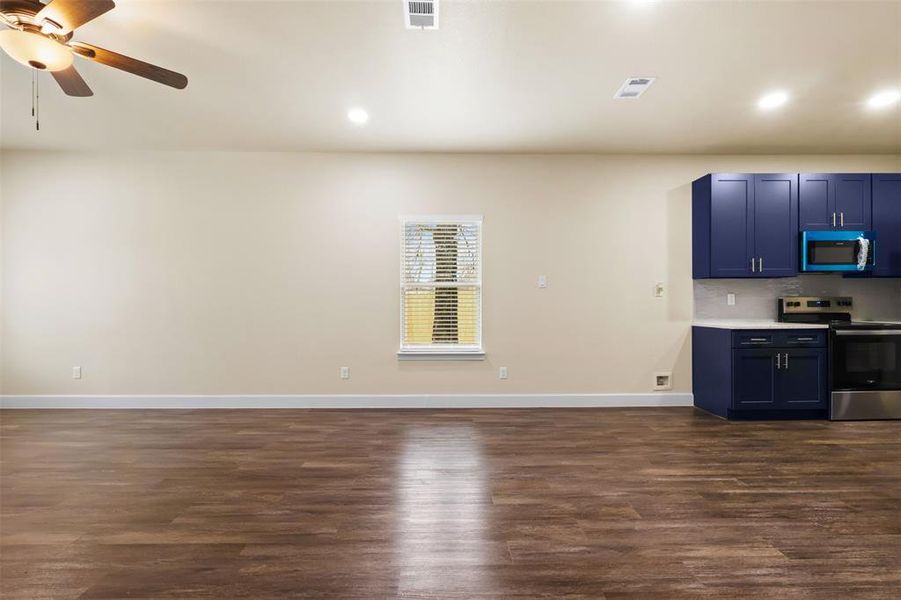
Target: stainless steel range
{"type": "Point", "coordinates": [864, 357]}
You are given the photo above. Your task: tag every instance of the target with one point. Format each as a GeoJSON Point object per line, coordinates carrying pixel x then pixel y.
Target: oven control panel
{"type": "Point", "coordinates": [815, 304]}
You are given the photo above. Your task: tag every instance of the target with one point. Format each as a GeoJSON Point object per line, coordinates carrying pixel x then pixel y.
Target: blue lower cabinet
{"type": "Point", "coordinates": [753, 379]}
{"type": "Point", "coordinates": [786, 378]}
{"type": "Point", "coordinates": [802, 378]}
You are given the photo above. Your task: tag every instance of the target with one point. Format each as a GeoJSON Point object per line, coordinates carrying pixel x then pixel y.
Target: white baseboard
{"type": "Point", "coordinates": [350, 401]}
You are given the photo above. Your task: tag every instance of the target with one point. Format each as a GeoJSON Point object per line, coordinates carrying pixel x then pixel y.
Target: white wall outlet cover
{"type": "Point", "coordinates": [730, 299]}
{"type": "Point", "coordinates": [502, 373]}
{"type": "Point", "coordinates": [542, 281]}
{"type": "Point", "coordinates": [659, 289]}
{"type": "Point", "coordinates": [76, 372]}
{"type": "Point", "coordinates": [663, 381]}
{"type": "Point", "coordinates": [345, 372]}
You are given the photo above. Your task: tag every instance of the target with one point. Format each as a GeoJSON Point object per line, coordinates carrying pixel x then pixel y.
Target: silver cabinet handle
{"type": "Point", "coordinates": [833, 219]}
{"type": "Point", "coordinates": [760, 339]}
{"type": "Point", "coordinates": [786, 360]}
{"type": "Point", "coordinates": [752, 265]}
{"type": "Point", "coordinates": [800, 339]}
{"type": "Point", "coordinates": [760, 265]}
{"type": "Point", "coordinates": [843, 219]}
{"type": "Point", "coordinates": [778, 360]}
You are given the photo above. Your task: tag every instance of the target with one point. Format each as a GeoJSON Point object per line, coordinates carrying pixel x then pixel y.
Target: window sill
{"type": "Point", "coordinates": [441, 355]}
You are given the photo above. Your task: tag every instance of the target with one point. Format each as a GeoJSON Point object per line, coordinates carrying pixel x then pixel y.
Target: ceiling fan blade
{"type": "Point", "coordinates": [71, 82]}
{"type": "Point", "coordinates": [69, 14]}
{"type": "Point", "coordinates": [131, 65]}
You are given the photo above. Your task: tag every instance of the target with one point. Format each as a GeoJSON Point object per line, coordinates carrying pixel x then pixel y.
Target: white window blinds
{"type": "Point", "coordinates": [441, 284]}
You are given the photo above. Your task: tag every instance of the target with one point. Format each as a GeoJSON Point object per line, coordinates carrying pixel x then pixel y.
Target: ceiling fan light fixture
{"type": "Point", "coordinates": [35, 50]}
{"type": "Point", "coordinates": [50, 26]}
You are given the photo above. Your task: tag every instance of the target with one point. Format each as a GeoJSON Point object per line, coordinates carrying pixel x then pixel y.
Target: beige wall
{"type": "Point", "coordinates": [217, 273]}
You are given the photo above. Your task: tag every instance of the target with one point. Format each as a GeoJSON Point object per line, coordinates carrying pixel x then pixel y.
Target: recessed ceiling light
{"type": "Point", "coordinates": [358, 116]}
{"type": "Point", "coordinates": [884, 98]}
{"type": "Point", "coordinates": [773, 100]}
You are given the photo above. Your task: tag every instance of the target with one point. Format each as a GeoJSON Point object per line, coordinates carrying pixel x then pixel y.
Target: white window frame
{"type": "Point", "coordinates": [441, 351]}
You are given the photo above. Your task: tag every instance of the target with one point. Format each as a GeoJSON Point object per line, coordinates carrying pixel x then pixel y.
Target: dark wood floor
{"type": "Point", "coordinates": [608, 503]}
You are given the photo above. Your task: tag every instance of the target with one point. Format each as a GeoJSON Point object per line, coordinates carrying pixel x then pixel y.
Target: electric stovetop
{"type": "Point", "coordinates": [832, 310]}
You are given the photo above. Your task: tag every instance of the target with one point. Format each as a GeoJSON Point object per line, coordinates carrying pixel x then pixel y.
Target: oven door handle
{"type": "Point", "coordinates": [868, 332]}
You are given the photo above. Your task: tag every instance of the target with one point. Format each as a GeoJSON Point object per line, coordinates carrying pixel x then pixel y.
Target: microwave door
{"type": "Point", "coordinates": [826, 253]}
{"type": "Point", "coordinates": [836, 251]}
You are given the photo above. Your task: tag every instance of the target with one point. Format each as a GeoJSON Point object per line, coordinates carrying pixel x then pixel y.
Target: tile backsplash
{"type": "Point", "coordinates": [874, 299]}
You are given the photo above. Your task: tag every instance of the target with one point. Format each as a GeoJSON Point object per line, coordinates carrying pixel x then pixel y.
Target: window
{"type": "Point", "coordinates": [441, 286]}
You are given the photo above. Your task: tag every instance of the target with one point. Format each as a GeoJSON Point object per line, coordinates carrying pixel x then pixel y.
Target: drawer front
{"type": "Point", "coordinates": [780, 338]}
{"type": "Point", "coordinates": [815, 338]}
{"type": "Point", "coordinates": [754, 339]}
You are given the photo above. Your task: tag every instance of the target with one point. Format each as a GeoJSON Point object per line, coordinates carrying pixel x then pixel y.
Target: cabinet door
{"type": "Point", "coordinates": [775, 225]}
{"type": "Point", "coordinates": [815, 202]}
{"type": "Point", "coordinates": [887, 224]}
{"type": "Point", "coordinates": [801, 379]}
{"type": "Point", "coordinates": [753, 379]}
{"type": "Point", "coordinates": [731, 201]}
{"type": "Point", "coordinates": [853, 201]}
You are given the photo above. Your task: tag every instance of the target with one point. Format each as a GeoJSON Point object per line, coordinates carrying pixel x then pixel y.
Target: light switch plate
{"type": "Point", "coordinates": [345, 372]}
{"type": "Point", "coordinates": [659, 289]}
{"type": "Point", "coordinates": [542, 281]}
{"type": "Point", "coordinates": [76, 372]}
{"type": "Point", "coordinates": [502, 373]}
{"type": "Point", "coordinates": [730, 299]}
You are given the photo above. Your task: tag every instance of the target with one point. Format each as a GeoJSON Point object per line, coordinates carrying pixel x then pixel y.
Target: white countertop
{"type": "Point", "coordinates": [755, 324]}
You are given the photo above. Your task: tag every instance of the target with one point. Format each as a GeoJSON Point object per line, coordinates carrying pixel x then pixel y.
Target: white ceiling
{"type": "Point", "coordinates": [498, 76]}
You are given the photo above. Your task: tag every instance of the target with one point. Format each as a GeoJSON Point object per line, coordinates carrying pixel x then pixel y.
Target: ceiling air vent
{"type": "Point", "coordinates": [421, 14]}
{"type": "Point", "coordinates": [633, 88]}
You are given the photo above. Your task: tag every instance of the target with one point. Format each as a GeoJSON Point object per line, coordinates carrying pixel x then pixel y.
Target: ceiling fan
{"type": "Point", "coordinates": [40, 37]}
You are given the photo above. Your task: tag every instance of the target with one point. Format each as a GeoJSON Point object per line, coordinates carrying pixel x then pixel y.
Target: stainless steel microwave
{"type": "Point", "coordinates": [824, 251]}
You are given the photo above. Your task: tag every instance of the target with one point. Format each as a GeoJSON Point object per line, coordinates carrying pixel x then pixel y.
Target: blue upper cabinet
{"type": "Point", "coordinates": [745, 225]}
{"type": "Point", "coordinates": [853, 201]}
{"type": "Point", "coordinates": [887, 224]}
{"type": "Point", "coordinates": [775, 225]}
{"type": "Point", "coordinates": [732, 197]}
{"type": "Point", "coordinates": [835, 201]}
{"type": "Point", "coordinates": [816, 204]}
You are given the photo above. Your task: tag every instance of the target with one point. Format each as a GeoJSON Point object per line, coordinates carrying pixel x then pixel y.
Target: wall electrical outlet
{"type": "Point", "coordinates": [345, 373]}
{"type": "Point", "coordinates": [730, 299]}
{"type": "Point", "coordinates": [659, 289]}
{"type": "Point", "coordinates": [542, 281]}
{"type": "Point", "coordinates": [502, 373]}
{"type": "Point", "coordinates": [76, 372]}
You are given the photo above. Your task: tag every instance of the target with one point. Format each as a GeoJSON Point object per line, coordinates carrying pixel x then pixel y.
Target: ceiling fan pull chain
{"type": "Point", "coordinates": [37, 103]}
{"type": "Point", "coordinates": [32, 92]}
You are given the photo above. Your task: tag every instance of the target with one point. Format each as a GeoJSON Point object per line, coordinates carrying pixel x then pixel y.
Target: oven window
{"type": "Point", "coordinates": [867, 362]}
